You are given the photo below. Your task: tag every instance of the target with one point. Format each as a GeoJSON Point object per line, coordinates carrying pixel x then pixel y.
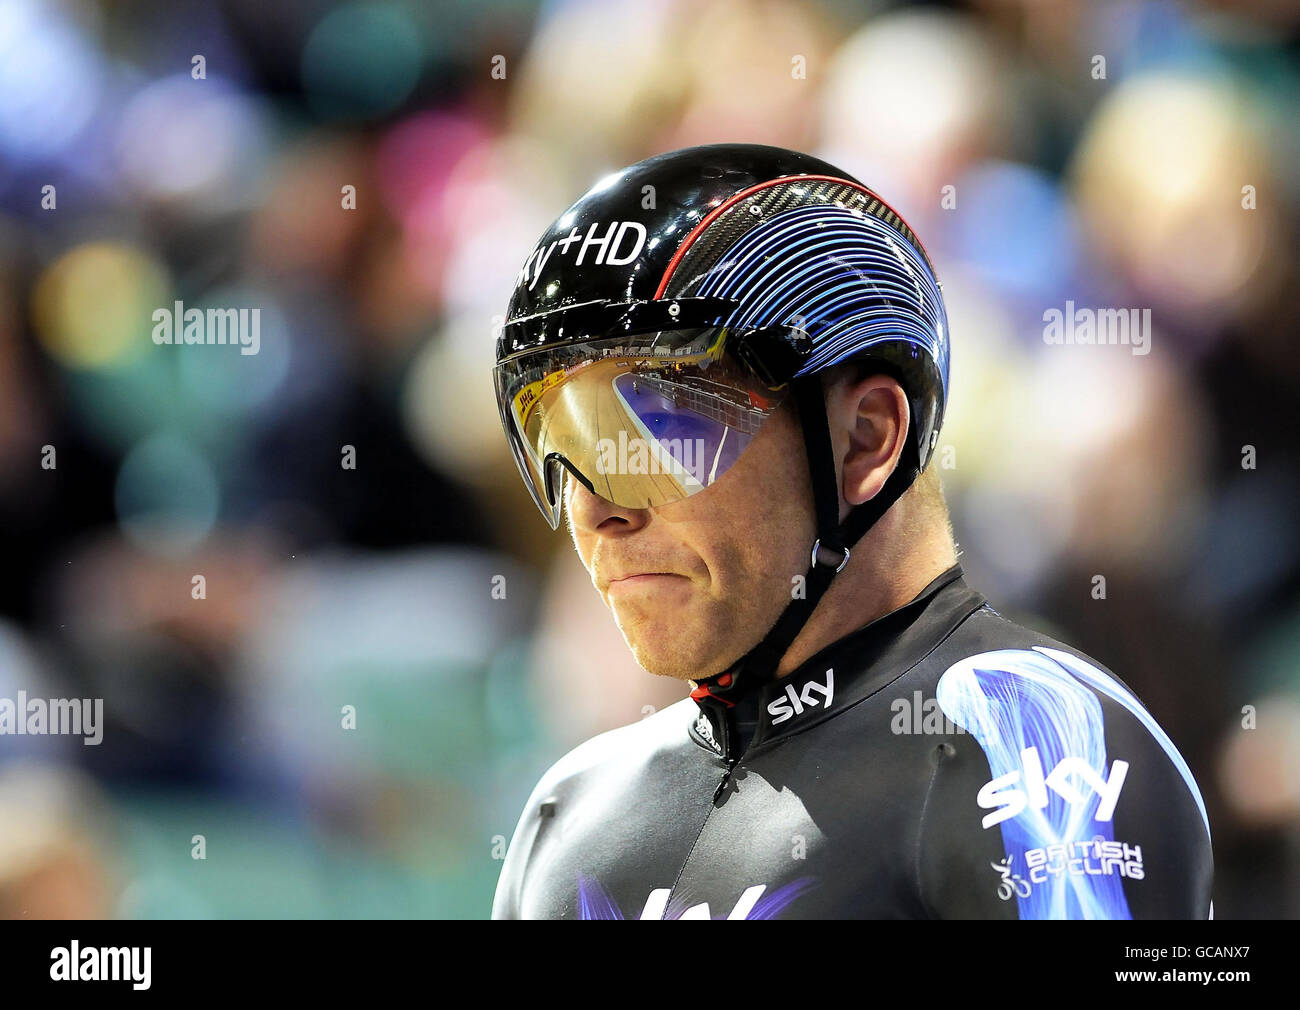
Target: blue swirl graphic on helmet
{"type": "Point", "coordinates": [1052, 793]}
{"type": "Point", "coordinates": [848, 278]}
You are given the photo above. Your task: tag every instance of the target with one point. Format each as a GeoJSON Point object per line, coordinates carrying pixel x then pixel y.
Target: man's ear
{"type": "Point", "coordinates": [869, 428]}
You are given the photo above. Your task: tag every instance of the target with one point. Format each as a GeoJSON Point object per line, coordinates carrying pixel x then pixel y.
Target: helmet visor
{"type": "Point", "coordinates": [641, 420]}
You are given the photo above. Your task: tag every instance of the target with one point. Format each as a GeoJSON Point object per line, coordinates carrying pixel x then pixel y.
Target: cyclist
{"type": "Point", "coordinates": [728, 366]}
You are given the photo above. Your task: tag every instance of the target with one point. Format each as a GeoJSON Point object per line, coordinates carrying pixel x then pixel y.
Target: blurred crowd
{"type": "Point", "coordinates": [387, 645]}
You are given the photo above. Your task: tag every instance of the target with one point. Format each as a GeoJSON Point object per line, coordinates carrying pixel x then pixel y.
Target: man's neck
{"type": "Point", "coordinates": [881, 576]}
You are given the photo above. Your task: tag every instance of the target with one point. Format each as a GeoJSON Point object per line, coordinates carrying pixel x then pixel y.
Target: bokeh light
{"type": "Point", "coordinates": [167, 496]}
{"type": "Point", "coordinates": [362, 60]}
{"type": "Point", "coordinates": [93, 306]}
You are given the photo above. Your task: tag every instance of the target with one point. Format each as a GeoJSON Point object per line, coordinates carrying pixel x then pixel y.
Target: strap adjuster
{"type": "Point", "coordinates": [817, 548]}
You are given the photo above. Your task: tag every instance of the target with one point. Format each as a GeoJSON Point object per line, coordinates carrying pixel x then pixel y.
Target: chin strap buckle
{"type": "Point", "coordinates": [828, 562]}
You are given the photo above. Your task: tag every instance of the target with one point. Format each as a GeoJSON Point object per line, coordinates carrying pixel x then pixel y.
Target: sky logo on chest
{"type": "Point", "coordinates": [756, 902]}
{"type": "Point", "coordinates": [795, 700]}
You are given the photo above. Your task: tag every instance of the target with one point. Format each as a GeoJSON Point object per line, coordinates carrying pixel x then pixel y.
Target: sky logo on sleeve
{"type": "Point", "coordinates": [1030, 713]}
{"type": "Point", "coordinates": [1010, 794]}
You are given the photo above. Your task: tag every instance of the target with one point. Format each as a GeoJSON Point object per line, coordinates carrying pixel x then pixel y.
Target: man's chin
{"type": "Point", "coordinates": [671, 654]}
{"type": "Point", "coordinates": [683, 644]}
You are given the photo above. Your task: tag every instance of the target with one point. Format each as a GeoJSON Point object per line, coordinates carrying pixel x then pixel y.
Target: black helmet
{"type": "Point", "coordinates": [674, 306]}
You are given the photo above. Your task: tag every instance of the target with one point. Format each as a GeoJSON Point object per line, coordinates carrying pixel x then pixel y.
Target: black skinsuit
{"type": "Point", "coordinates": [941, 762]}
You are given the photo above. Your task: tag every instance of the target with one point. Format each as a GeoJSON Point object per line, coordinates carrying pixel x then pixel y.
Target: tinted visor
{"type": "Point", "coordinates": [641, 420]}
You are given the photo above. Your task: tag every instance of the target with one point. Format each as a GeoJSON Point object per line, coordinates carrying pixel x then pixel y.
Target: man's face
{"type": "Point", "coordinates": [696, 584]}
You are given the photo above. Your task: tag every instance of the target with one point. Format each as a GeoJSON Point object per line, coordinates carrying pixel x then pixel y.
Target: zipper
{"type": "Point", "coordinates": [732, 758]}
{"type": "Point", "coordinates": [726, 777]}
{"type": "Point", "coordinates": [728, 748]}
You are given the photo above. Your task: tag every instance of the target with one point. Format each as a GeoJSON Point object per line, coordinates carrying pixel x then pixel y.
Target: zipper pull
{"type": "Point", "coordinates": [731, 763]}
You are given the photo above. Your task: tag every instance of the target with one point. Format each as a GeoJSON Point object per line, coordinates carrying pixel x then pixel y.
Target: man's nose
{"type": "Point", "coordinates": [590, 513]}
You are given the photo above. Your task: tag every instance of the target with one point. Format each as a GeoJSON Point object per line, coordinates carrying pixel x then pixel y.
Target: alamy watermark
{"type": "Point", "coordinates": [920, 716]}
{"type": "Point", "coordinates": [179, 325]}
{"type": "Point", "coordinates": [77, 963]}
{"type": "Point", "coordinates": [26, 716]}
{"type": "Point", "coordinates": [1124, 327]}
{"type": "Point", "coordinates": [635, 456]}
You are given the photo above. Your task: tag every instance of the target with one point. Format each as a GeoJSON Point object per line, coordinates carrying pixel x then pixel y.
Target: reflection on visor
{"type": "Point", "coordinates": [643, 420]}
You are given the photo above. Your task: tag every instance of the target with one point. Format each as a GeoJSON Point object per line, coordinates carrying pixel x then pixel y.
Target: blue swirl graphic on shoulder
{"type": "Point", "coordinates": [1108, 686]}
{"type": "Point", "coordinates": [1052, 793]}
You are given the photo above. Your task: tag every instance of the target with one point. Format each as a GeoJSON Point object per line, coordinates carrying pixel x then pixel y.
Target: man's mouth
{"type": "Point", "coordinates": [643, 580]}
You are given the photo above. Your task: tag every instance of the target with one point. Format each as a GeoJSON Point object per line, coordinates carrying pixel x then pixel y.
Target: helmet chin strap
{"type": "Point", "coordinates": [830, 551]}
